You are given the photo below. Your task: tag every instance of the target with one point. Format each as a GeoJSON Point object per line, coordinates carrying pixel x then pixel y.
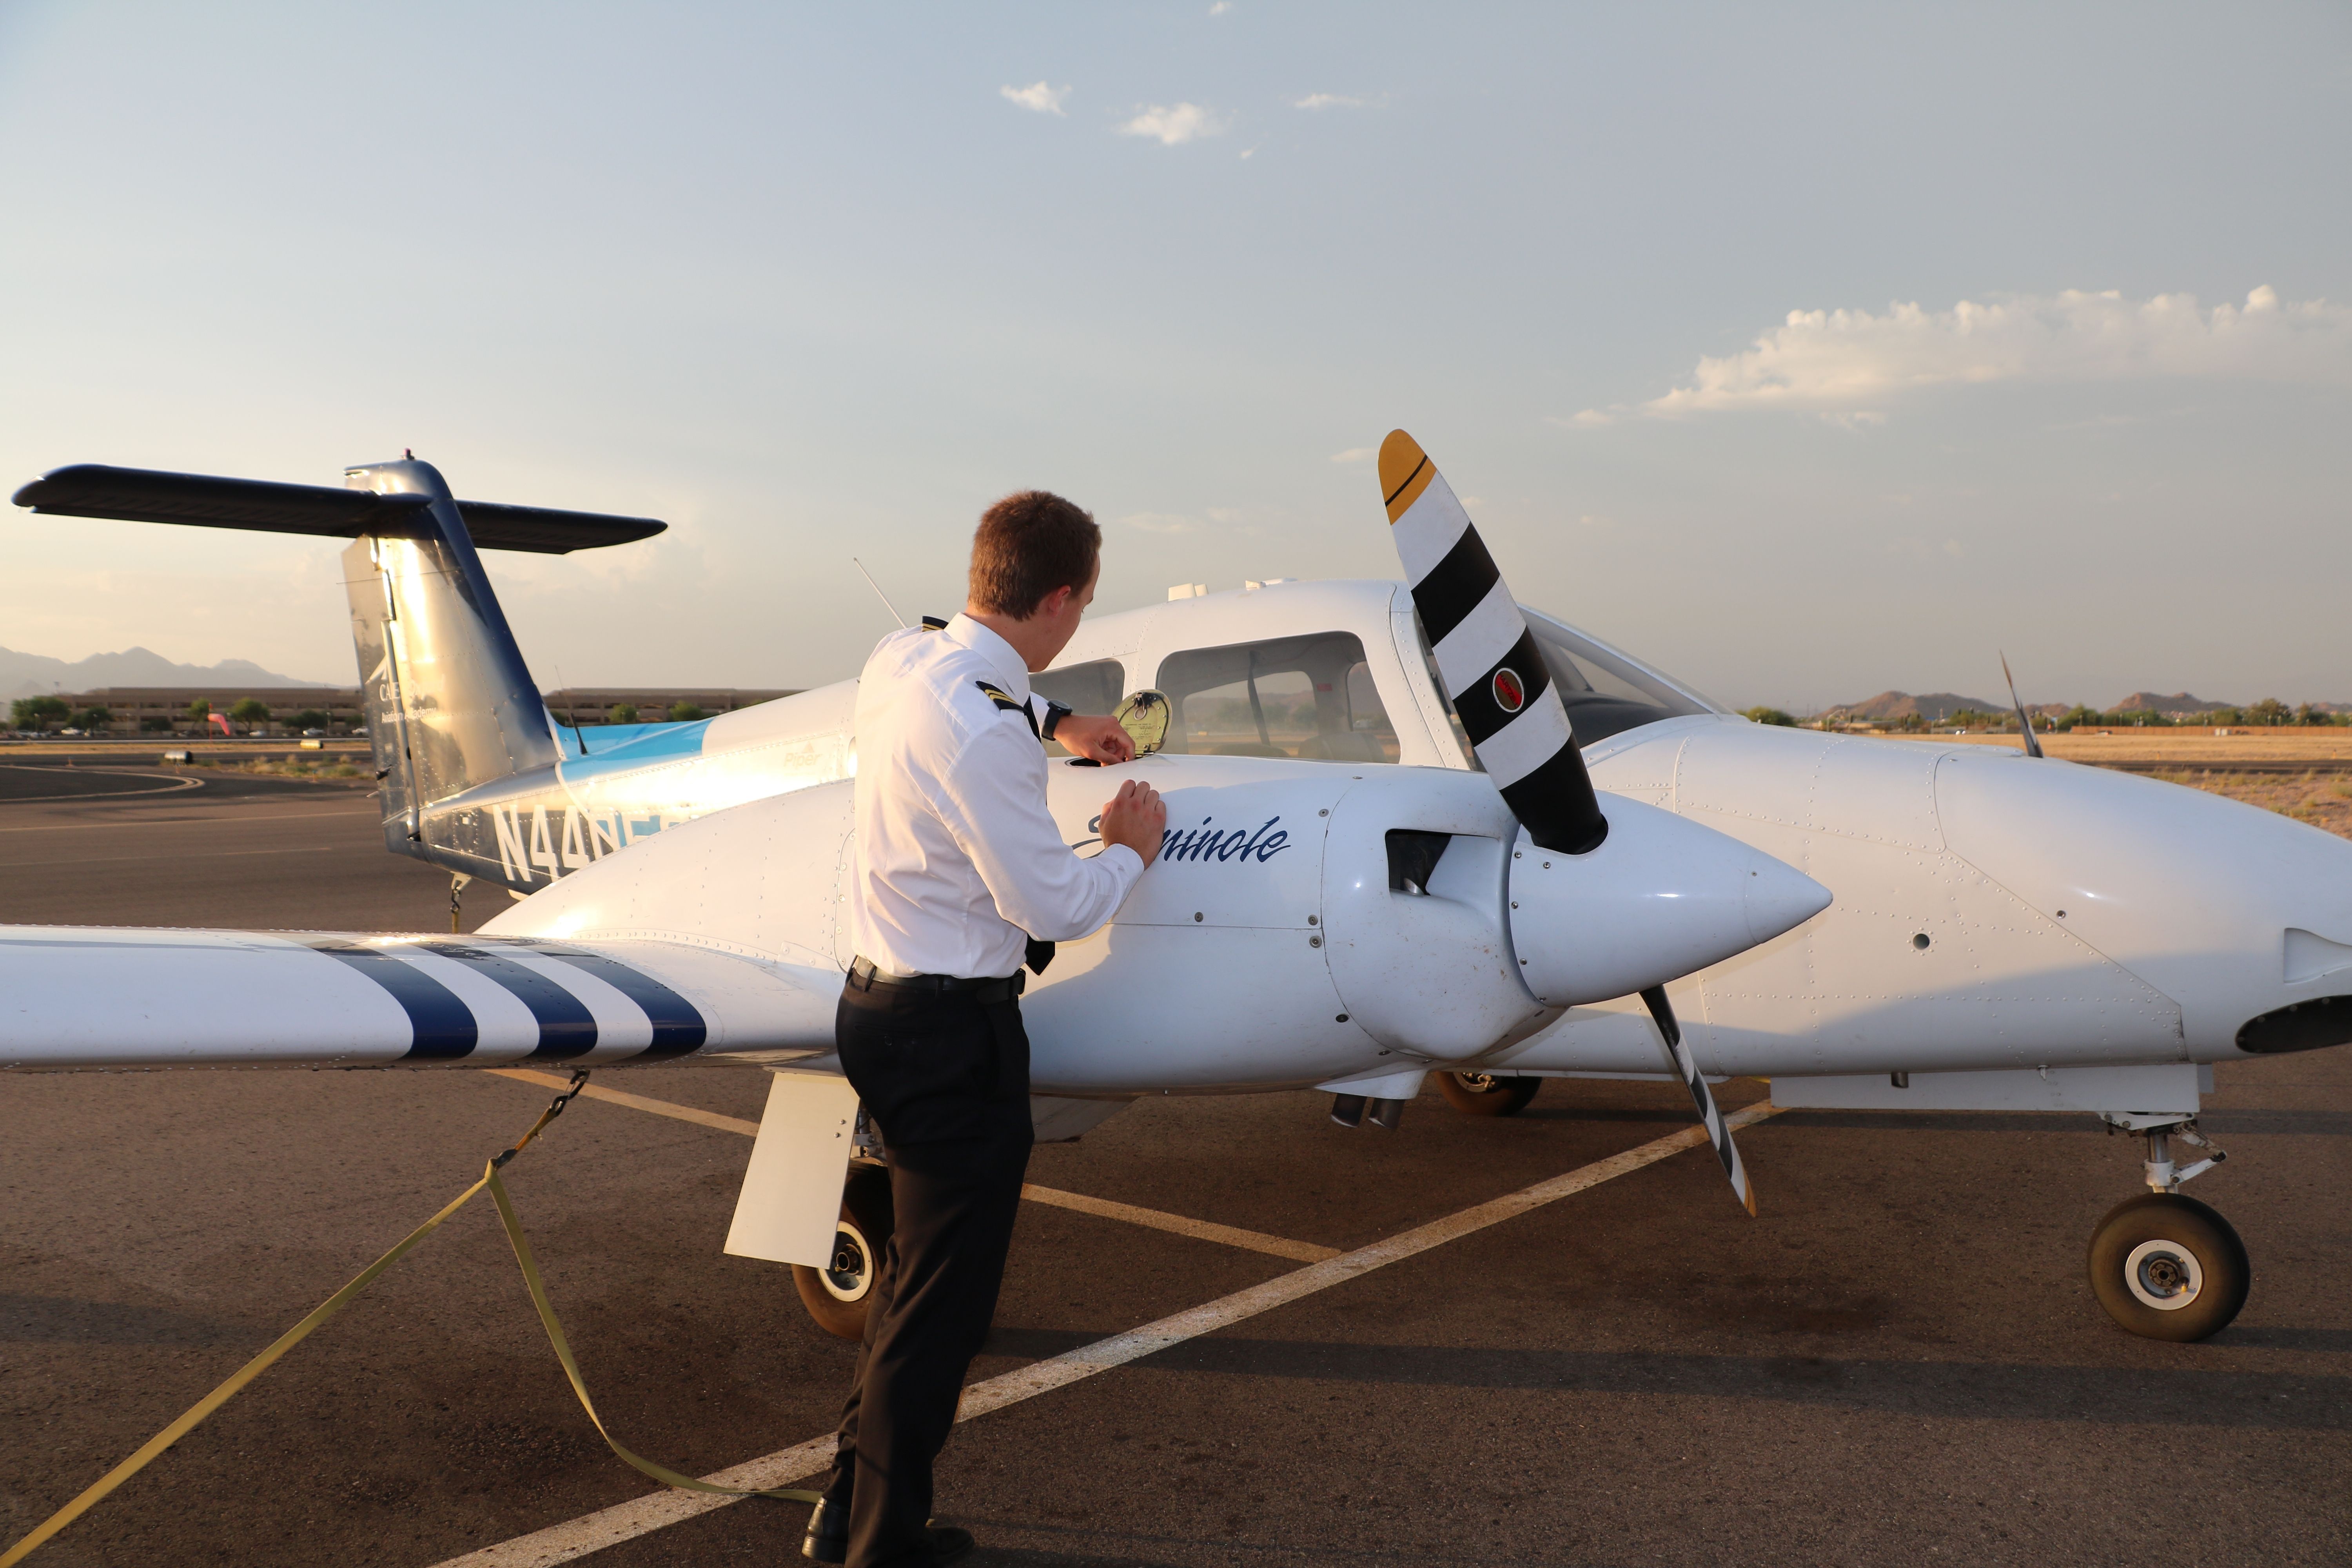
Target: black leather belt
{"type": "Point", "coordinates": [865, 976]}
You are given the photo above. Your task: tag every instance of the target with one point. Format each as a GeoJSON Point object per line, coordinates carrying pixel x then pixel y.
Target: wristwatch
{"type": "Point", "coordinates": [1055, 714]}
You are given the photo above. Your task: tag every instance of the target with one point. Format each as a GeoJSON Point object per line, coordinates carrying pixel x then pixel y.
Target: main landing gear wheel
{"type": "Point", "coordinates": [836, 1295]}
{"type": "Point", "coordinates": [2168, 1267]}
{"type": "Point", "coordinates": [1484, 1094]}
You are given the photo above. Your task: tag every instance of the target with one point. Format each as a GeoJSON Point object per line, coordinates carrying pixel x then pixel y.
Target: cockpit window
{"type": "Point", "coordinates": [1606, 692]}
{"type": "Point", "coordinates": [1094, 688]}
{"type": "Point", "coordinates": [1311, 698]}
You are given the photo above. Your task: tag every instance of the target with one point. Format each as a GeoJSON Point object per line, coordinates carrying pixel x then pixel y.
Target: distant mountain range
{"type": "Point", "coordinates": [37, 675]}
{"type": "Point", "coordinates": [1936, 707]}
{"type": "Point", "coordinates": [2177, 703]}
{"type": "Point", "coordinates": [1933, 706]}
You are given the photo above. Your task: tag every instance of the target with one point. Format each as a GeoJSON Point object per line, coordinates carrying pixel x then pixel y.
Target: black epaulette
{"type": "Point", "coordinates": [933, 624]}
{"type": "Point", "coordinates": [1004, 700]}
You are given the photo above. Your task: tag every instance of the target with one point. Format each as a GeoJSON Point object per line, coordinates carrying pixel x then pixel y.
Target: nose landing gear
{"type": "Point", "coordinates": [2163, 1266]}
{"type": "Point", "coordinates": [1488, 1094]}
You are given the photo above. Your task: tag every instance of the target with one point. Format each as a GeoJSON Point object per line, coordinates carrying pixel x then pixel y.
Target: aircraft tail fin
{"type": "Point", "coordinates": [450, 703]}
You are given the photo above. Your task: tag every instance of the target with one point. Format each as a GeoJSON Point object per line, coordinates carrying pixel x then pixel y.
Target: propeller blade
{"type": "Point", "coordinates": [1487, 657]}
{"type": "Point", "coordinates": [1686, 1067]}
{"type": "Point", "coordinates": [2032, 742]}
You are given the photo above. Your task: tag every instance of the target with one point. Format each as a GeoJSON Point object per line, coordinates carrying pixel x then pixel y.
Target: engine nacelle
{"type": "Point", "coordinates": [1661, 898]}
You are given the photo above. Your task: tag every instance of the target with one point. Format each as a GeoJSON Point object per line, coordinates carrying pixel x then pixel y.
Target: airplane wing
{"type": "Point", "coordinates": [115, 996]}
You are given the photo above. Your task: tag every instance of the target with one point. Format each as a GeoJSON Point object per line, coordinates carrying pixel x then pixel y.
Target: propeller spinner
{"type": "Point", "coordinates": [1502, 690]}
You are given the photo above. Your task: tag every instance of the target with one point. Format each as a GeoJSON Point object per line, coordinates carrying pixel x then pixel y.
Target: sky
{"type": "Point", "coordinates": [1803, 352]}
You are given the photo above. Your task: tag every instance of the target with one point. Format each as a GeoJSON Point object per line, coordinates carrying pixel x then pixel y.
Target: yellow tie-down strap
{"type": "Point", "coordinates": [195, 1415]}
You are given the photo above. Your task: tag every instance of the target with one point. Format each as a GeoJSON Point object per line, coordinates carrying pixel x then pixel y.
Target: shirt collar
{"type": "Point", "coordinates": [1012, 673]}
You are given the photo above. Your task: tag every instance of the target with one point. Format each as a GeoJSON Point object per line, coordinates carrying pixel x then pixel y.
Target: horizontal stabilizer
{"type": "Point", "coordinates": [148, 495]}
{"type": "Point", "coordinates": [108, 996]}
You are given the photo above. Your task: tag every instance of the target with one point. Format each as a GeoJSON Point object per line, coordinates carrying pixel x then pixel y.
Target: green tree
{"type": "Point", "coordinates": [92, 718]}
{"type": "Point", "coordinates": [200, 711]}
{"type": "Point", "coordinates": [250, 710]}
{"type": "Point", "coordinates": [308, 719]}
{"type": "Point", "coordinates": [685, 713]}
{"type": "Point", "coordinates": [36, 712]}
{"type": "Point", "coordinates": [622, 713]}
{"type": "Point", "coordinates": [1767, 716]}
{"type": "Point", "coordinates": [2079, 716]}
{"type": "Point", "coordinates": [1913, 722]}
{"type": "Point", "coordinates": [155, 723]}
{"type": "Point", "coordinates": [2270, 710]}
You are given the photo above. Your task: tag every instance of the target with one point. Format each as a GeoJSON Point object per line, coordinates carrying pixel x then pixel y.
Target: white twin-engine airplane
{"type": "Point", "coordinates": [1385, 856]}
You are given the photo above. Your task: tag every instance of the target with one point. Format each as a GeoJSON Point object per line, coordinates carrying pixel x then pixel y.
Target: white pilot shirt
{"type": "Point", "coordinates": [956, 862]}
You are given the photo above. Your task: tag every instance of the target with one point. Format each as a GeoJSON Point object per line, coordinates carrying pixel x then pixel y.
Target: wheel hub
{"type": "Point", "coordinates": [2164, 1275]}
{"type": "Point", "coordinates": [851, 1271]}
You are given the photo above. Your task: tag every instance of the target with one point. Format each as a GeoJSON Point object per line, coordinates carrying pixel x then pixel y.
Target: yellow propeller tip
{"type": "Point", "coordinates": [1405, 472]}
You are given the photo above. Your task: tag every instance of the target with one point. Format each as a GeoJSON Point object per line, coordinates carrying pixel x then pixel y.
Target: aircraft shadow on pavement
{"type": "Point", "coordinates": [1977, 1390]}
{"type": "Point", "coordinates": [61, 1320]}
{"type": "Point", "coordinates": [2221, 1123]}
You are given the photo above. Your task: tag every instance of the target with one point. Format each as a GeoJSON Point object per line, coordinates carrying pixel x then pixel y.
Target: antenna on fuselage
{"type": "Point", "coordinates": [577, 733]}
{"type": "Point", "coordinates": [878, 594]}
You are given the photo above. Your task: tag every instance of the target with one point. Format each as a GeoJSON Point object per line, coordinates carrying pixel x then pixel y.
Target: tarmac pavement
{"type": "Point", "coordinates": [1898, 1360]}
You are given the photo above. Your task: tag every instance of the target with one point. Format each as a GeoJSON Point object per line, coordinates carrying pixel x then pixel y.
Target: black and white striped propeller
{"type": "Point", "coordinates": [1499, 685]}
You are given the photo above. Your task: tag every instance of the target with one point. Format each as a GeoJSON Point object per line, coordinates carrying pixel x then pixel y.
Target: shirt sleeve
{"type": "Point", "coordinates": [1042, 709]}
{"type": "Point", "coordinates": [991, 800]}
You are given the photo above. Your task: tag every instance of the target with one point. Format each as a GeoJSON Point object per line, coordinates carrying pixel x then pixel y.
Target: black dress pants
{"type": "Point", "coordinates": [946, 1078]}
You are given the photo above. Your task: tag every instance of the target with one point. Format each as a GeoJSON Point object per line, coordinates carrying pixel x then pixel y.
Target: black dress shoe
{"type": "Point", "coordinates": [828, 1537]}
{"type": "Point", "coordinates": [828, 1533]}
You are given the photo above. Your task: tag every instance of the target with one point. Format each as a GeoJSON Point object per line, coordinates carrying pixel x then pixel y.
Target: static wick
{"type": "Point", "coordinates": [878, 594]}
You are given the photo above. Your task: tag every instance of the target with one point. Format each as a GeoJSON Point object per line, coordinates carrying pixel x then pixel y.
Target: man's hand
{"type": "Point", "coordinates": [1135, 816]}
{"type": "Point", "coordinates": [1095, 735]}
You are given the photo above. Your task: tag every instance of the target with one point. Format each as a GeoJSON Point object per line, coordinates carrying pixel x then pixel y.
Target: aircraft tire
{"type": "Point", "coordinates": [836, 1297]}
{"type": "Point", "coordinates": [2168, 1267]}
{"type": "Point", "coordinates": [1484, 1094]}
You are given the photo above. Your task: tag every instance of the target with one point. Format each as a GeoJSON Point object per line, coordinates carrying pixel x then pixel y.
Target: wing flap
{"type": "Point", "coordinates": [99, 997]}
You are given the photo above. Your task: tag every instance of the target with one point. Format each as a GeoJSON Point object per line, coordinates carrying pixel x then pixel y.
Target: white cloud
{"type": "Point", "coordinates": [1355, 454]}
{"type": "Point", "coordinates": [1221, 7]}
{"type": "Point", "coordinates": [1326, 101]}
{"type": "Point", "coordinates": [1841, 361]}
{"type": "Point", "coordinates": [1037, 96]}
{"type": "Point", "coordinates": [1160, 522]}
{"type": "Point", "coordinates": [1172, 127]}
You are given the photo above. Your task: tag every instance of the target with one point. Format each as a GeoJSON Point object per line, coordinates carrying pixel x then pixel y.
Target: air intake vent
{"type": "Point", "coordinates": [1412, 859]}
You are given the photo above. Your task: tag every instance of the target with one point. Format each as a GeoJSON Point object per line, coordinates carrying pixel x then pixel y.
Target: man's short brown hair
{"type": "Point", "coordinates": [1029, 544]}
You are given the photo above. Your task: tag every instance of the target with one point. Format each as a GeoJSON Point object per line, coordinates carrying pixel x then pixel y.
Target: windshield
{"type": "Point", "coordinates": [1604, 691]}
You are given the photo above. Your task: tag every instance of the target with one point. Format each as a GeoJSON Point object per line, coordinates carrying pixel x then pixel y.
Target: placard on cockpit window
{"type": "Point", "coordinates": [1310, 698]}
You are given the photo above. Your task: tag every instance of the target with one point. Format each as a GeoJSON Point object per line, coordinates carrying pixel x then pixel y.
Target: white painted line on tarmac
{"type": "Point", "coordinates": [626, 1521]}
{"type": "Point", "coordinates": [1157, 1219]}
